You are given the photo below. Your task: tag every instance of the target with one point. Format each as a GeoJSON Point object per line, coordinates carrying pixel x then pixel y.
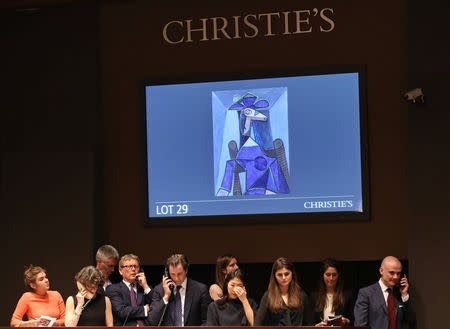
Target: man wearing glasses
{"type": "Point", "coordinates": [131, 298]}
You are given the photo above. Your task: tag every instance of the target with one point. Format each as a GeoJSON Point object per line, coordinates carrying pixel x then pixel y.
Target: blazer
{"type": "Point", "coordinates": [196, 304]}
{"type": "Point", "coordinates": [123, 312]}
{"type": "Point", "coordinates": [371, 309]}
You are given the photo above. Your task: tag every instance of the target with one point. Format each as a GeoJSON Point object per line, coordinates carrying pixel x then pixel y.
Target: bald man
{"type": "Point", "coordinates": [386, 303]}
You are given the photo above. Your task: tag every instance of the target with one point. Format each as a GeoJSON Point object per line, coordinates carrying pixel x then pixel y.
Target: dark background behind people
{"type": "Point", "coordinates": [64, 164]}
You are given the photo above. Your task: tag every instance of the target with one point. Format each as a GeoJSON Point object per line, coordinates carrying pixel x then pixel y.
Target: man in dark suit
{"type": "Point", "coordinates": [131, 298]}
{"type": "Point", "coordinates": [179, 300]}
{"type": "Point", "coordinates": [386, 304]}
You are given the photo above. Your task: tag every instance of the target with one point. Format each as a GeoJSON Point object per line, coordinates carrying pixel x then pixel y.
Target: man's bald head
{"type": "Point", "coordinates": [390, 260]}
{"type": "Point", "coordinates": [390, 271]}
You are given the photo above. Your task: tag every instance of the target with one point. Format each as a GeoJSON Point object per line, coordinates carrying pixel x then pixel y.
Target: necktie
{"type": "Point", "coordinates": [177, 308]}
{"type": "Point", "coordinates": [133, 298]}
{"type": "Point", "coordinates": [391, 309]}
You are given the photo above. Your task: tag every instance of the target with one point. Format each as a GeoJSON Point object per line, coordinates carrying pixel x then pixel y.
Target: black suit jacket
{"type": "Point", "coordinates": [123, 312]}
{"type": "Point", "coordinates": [346, 310]}
{"type": "Point", "coordinates": [371, 309]}
{"type": "Point", "coordinates": [195, 306]}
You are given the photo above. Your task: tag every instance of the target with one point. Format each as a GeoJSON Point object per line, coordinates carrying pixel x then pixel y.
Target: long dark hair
{"type": "Point", "coordinates": [275, 301]}
{"type": "Point", "coordinates": [338, 294]}
{"type": "Point", "coordinates": [236, 274]}
{"type": "Point", "coordinates": [221, 267]}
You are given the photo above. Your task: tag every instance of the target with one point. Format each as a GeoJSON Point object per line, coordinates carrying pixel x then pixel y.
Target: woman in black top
{"type": "Point", "coordinates": [330, 300]}
{"type": "Point", "coordinates": [87, 307]}
{"type": "Point", "coordinates": [234, 308]}
{"type": "Point", "coordinates": [284, 302]}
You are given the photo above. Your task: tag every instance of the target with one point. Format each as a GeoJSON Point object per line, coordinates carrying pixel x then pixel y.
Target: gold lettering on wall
{"type": "Point", "coordinates": [327, 19]}
{"type": "Point", "coordinates": [301, 21]}
{"type": "Point", "coordinates": [169, 25]}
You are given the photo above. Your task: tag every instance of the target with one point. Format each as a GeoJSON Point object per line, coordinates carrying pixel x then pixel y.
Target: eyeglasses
{"type": "Point", "coordinates": [129, 267]}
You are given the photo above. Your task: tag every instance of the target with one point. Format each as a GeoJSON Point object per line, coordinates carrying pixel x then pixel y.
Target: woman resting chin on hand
{"type": "Point", "coordinates": [87, 307]}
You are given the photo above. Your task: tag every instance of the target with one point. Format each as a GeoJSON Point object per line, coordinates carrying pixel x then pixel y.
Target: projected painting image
{"type": "Point", "coordinates": [251, 142]}
{"type": "Point", "coordinates": [232, 151]}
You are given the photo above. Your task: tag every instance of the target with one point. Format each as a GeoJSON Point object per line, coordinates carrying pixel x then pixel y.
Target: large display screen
{"type": "Point", "coordinates": [285, 147]}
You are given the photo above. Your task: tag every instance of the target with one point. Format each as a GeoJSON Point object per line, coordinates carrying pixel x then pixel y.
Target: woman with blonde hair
{"type": "Point", "coordinates": [40, 301]}
{"type": "Point", "coordinates": [284, 303]}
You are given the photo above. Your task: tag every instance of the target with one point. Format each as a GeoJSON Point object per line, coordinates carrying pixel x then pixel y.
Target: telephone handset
{"type": "Point", "coordinates": [399, 284]}
{"type": "Point", "coordinates": [166, 274]}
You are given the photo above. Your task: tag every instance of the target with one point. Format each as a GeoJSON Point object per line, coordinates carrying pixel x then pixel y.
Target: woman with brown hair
{"type": "Point", "coordinates": [39, 301]}
{"type": "Point", "coordinates": [88, 307]}
{"type": "Point", "coordinates": [284, 302]}
{"type": "Point", "coordinates": [224, 265]}
{"type": "Point", "coordinates": [331, 301]}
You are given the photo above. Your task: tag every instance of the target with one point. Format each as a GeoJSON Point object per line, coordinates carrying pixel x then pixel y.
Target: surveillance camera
{"type": "Point", "coordinates": [415, 96]}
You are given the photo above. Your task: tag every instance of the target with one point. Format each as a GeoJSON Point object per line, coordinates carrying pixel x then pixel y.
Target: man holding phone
{"type": "Point", "coordinates": [131, 298]}
{"type": "Point", "coordinates": [386, 304]}
{"type": "Point", "coordinates": [179, 300]}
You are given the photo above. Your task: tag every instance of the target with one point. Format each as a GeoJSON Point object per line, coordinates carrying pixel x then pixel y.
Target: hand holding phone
{"type": "Point", "coordinates": [404, 285]}
{"type": "Point", "coordinates": [167, 276]}
{"type": "Point", "coordinates": [335, 320]}
{"type": "Point", "coordinates": [142, 280]}
{"type": "Point", "coordinates": [168, 287]}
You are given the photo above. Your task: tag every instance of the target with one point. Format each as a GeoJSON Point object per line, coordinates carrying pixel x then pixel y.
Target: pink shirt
{"type": "Point", "coordinates": [34, 305]}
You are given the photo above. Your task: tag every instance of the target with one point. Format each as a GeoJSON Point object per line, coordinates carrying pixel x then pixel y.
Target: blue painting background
{"type": "Point", "coordinates": [226, 123]}
{"type": "Point", "coordinates": [324, 144]}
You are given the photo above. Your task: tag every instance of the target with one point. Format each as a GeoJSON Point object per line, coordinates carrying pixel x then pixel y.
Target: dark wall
{"type": "Point", "coordinates": [429, 159]}
{"type": "Point", "coordinates": [49, 119]}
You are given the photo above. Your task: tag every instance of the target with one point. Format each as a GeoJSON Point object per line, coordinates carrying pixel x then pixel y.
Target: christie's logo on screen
{"type": "Point", "coordinates": [328, 204]}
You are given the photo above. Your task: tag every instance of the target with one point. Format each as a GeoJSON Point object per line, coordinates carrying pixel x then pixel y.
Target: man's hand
{"type": "Point", "coordinates": [166, 282]}
{"type": "Point", "coordinates": [404, 285]}
{"type": "Point", "coordinates": [142, 280]}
